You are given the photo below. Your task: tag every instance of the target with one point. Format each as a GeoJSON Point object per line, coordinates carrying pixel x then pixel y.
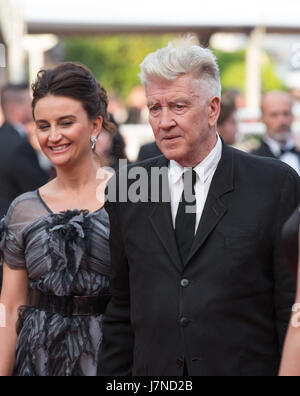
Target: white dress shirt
{"type": "Point", "coordinates": [205, 173]}
{"type": "Point", "coordinates": [291, 159]}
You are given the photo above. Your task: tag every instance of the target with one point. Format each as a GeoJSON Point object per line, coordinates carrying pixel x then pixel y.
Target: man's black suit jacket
{"type": "Point", "coordinates": [225, 312]}
{"type": "Point", "coordinates": [149, 151]}
{"type": "Point", "coordinates": [20, 171]}
{"type": "Point", "coordinates": [291, 240]}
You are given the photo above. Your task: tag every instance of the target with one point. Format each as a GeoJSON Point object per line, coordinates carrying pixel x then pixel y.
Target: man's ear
{"type": "Point", "coordinates": [214, 108]}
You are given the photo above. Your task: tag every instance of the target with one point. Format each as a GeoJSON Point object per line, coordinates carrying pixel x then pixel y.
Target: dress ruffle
{"type": "Point", "coordinates": [50, 344]}
{"type": "Point", "coordinates": [68, 243]}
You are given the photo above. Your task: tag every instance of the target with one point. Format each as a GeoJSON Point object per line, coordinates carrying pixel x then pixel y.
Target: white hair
{"type": "Point", "coordinates": [185, 58]}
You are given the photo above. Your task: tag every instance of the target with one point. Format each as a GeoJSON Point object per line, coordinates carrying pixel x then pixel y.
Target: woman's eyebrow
{"type": "Point", "coordinates": [66, 117]}
{"type": "Point", "coordinates": [58, 120]}
{"type": "Point", "coordinates": [41, 121]}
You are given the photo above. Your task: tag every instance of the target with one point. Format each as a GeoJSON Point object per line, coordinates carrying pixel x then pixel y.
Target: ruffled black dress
{"type": "Point", "coordinates": [64, 254]}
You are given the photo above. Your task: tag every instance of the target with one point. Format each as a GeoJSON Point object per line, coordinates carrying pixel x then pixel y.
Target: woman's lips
{"type": "Point", "coordinates": [60, 149]}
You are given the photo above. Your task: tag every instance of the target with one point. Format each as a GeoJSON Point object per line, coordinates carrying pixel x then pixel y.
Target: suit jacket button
{"type": "Point", "coordinates": [179, 363]}
{"type": "Point", "coordinates": [185, 283]}
{"type": "Point", "coordinates": [184, 322]}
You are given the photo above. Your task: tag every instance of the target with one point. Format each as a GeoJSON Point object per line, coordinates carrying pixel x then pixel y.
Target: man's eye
{"type": "Point", "coordinates": [154, 109]}
{"type": "Point", "coordinates": [179, 107]}
{"type": "Point", "coordinates": [67, 124]}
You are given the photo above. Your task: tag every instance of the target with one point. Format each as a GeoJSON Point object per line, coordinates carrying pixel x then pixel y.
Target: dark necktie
{"type": "Point", "coordinates": [186, 216]}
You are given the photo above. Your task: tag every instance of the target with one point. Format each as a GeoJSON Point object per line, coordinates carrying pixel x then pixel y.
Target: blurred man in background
{"type": "Point", "coordinates": [277, 115]}
{"type": "Point", "coordinates": [19, 167]}
{"type": "Point", "coordinates": [227, 124]}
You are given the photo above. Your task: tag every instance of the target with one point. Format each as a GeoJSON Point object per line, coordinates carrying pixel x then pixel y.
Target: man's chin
{"type": "Point", "coordinates": [281, 137]}
{"type": "Point", "coordinates": [172, 155]}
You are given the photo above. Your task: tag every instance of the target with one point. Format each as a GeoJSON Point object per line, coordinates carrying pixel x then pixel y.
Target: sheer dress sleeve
{"type": "Point", "coordinates": [12, 227]}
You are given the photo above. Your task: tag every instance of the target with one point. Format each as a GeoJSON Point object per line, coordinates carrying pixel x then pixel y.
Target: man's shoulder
{"type": "Point", "coordinates": [141, 172]}
{"type": "Point", "coordinates": [9, 138]}
{"type": "Point", "coordinates": [139, 167]}
{"type": "Point", "coordinates": [8, 131]}
{"type": "Point", "coordinates": [262, 165]}
{"type": "Point", "coordinates": [156, 162]}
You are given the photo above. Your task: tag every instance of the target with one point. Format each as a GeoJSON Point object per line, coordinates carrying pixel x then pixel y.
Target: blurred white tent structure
{"type": "Point", "coordinates": [94, 16]}
{"type": "Point", "coordinates": [13, 28]}
{"type": "Point", "coordinates": [74, 17]}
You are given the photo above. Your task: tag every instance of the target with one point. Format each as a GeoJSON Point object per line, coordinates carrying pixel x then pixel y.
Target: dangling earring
{"type": "Point", "coordinates": [94, 142]}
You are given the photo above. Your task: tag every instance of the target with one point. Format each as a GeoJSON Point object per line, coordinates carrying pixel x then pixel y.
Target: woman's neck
{"type": "Point", "coordinates": [77, 178]}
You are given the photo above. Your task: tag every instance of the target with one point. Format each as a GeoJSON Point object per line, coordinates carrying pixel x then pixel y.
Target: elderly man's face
{"type": "Point", "coordinates": [183, 123]}
{"type": "Point", "coordinates": [277, 115]}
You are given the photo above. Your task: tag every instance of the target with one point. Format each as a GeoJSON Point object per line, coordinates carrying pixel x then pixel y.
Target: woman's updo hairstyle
{"type": "Point", "coordinates": [75, 81]}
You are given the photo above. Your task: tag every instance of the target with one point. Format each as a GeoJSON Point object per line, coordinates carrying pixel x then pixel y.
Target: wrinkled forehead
{"type": "Point", "coordinates": [185, 86]}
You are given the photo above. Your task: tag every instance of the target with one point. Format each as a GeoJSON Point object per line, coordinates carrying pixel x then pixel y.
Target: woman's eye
{"type": "Point", "coordinates": [67, 124]}
{"type": "Point", "coordinates": [43, 127]}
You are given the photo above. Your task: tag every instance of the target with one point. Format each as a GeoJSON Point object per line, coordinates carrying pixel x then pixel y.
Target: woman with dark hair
{"type": "Point", "coordinates": [54, 241]}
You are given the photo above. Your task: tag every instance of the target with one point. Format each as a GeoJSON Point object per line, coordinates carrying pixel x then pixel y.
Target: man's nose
{"type": "Point", "coordinates": [166, 119]}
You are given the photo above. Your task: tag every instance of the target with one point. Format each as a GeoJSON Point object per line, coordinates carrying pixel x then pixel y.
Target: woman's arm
{"type": "Point", "coordinates": [290, 364]}
{"type": "Point", "coordinates": [14, 294]}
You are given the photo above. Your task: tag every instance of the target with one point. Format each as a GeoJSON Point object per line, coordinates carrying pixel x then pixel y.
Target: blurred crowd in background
{"type": "Point", "coordinates": [23, 167]}
{"type": "Point", "coordinates": [273, 131]}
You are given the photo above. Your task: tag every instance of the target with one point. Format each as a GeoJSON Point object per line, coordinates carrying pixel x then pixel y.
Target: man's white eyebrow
{"type": "Point", "coordinates": [182, 100]}
{"type": "Point", "coordinates": [149, 104]}
{"type": "Point", "coordinates": [175, 100]}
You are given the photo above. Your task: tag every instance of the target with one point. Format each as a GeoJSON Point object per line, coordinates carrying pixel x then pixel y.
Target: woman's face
{"type": "Point", "coordinates": [64, 130]}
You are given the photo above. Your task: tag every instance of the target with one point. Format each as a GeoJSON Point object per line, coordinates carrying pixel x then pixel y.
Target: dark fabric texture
{"type": "Point", "coordinates": [65, 254]}
{"type": "Point", "coordinates": [149, 151]}
{"type": "Point", "coordinates": [291, 240]}
{"type": "Point", "coordinates": [226, 312]}
{"type": "Point", "coordinates": [20, 171]}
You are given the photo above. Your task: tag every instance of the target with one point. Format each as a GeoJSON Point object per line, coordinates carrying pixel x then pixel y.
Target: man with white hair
{"type": "Point", "coordinates": [199, 282]}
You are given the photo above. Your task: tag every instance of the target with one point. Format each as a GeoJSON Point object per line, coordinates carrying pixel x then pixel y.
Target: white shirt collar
{"type": "Point", "coordinates": [204, 169]}
{"type": "Point", "coordinates": [276, 147]}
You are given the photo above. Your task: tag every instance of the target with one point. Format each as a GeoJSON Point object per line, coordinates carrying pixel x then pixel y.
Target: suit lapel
{"type": "Point", "coordinates": [161, 219]}
{"type": "Point", "coordinates": [267, 151]}
{"type": "Point", "coordinates": [215, 209]}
